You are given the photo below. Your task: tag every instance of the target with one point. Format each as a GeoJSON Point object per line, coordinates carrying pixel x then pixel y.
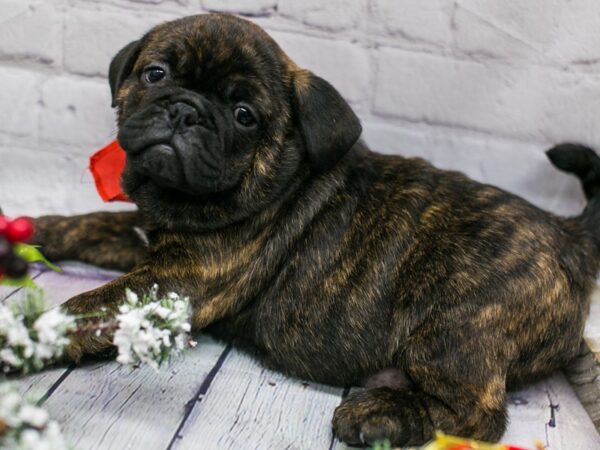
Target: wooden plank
{"type": "Point", "coordinates": [38, 385]}
{"type": "Point", "coordinates": [106, 405]}
{"type": "Point", "coordinates": [72, 270]}
{"type": "Point", "coordinates": [76, 268]}
{"type": "Point", "coordinates": [249, 406]}
{"type": "Point", "coordinates": [61, 286]}
{"type": "Point", "coordinates": [563, 426]}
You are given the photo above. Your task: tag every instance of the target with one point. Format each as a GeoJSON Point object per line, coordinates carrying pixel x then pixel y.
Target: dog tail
{"type": "Point", "coordinates": [584, 163]}
{"type": "Point", "coordinates": [581, 161]}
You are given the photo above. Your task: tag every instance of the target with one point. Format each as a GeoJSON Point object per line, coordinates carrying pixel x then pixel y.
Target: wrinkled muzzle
{"type": "Point", "coordinates": [179, 141]}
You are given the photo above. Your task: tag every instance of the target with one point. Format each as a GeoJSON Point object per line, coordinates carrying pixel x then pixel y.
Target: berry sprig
{"type": "Point", "coordinates": [13, 232]}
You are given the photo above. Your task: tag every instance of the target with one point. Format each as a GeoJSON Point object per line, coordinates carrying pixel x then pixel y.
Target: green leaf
{"type": "Point", "coordinates": [30, 253]}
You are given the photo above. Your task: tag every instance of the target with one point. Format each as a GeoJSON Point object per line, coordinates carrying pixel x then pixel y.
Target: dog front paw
{"type": "Point", "coordinates": [87, 344]}
{"type": "Point", "coordinates": [91, 337]}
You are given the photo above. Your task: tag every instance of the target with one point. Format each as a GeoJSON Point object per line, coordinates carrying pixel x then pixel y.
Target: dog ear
{"type": "Point", "coordinates": [328, 125]}
{"type": "Point", "coordinates": [121, 67]}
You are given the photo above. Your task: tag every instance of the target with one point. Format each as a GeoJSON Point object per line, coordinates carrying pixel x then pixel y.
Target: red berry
{"type": "Point", "coordinates": [20, 229]}
{"type": "Point", "coordinates": [4, 222]}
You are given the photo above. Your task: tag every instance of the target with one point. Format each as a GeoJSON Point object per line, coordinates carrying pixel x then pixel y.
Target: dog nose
{"type": "Point", "coordinates": [183, 114]}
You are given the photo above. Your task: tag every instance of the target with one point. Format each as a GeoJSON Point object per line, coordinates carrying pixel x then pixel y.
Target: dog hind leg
{"type": "Point", "coordinates": [454, 392]}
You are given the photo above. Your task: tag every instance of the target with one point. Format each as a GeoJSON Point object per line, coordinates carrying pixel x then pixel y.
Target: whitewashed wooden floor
{"type": "Point", "coordinates": [218, 398]}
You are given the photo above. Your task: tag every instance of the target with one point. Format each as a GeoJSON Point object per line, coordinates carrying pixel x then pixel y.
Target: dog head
{"type": "Point", "coordinates": [217, 122]}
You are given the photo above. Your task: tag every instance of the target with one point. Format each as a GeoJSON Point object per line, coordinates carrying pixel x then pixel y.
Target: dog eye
{"type": "Point", "coordinates": [154, 74]}
{"type": "Point", "coordinates": [244, 116]}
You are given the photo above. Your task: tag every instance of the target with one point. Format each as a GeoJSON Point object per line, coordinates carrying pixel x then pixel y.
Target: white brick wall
{"type": "Point", "coordinates": [476, 85]}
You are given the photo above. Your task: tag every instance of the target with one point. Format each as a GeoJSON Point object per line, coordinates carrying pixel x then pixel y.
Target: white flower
{"type": "Point", "coordinates": [151, 329]}
{"type": "Point", "coordinates": [27, 349]}
{"type": "Point", "coordinates": [30, 439]}
{"type": "Point", "coordinates": [8, 357]}
{"type": "Point", "coordinates": [52, 325]}
{"type": "Point", "coordinates": [51, 328]}
{"type": "Point", "coordinates": [10, 402]}
{"type": "Point", "coordinates": [162, 312]}
{"type": "Point", "coordinates": [131, 296]}
{"type": "Point", "coordinates": [34, 416]}
{"type": "Point", "coordinates": [29, 425]}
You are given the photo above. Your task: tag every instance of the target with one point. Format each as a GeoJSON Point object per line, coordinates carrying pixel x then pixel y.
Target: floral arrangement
{"type": "Point", "coordinates": [147, 329]}
{"type": "Point", "coordinates": [31, 338]}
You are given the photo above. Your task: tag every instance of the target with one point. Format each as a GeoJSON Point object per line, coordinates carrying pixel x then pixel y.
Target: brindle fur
{"type": "Point", "coordinates": [335, 274]}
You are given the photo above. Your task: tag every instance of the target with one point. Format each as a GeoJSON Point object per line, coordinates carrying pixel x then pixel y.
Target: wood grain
{"type": "Point", "coordinates": [530, 415]}
{"type": "Point", "coordinates": [250, 407]}
{"type": "Point", "coordinates": [105, 405]}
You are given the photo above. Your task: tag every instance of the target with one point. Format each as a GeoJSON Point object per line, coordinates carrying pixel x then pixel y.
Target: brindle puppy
{"type": "Point", "coordinates": [330, 262]}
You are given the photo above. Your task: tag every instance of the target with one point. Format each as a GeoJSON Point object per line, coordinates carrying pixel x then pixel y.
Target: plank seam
{"type": "Point", "coordinates": [55, 385]}
{"type": "Point", "coordinates": [199, 396]}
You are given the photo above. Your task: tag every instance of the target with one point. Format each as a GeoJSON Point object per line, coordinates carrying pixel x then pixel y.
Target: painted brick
{"type": "Point", "coordinates": [92, 38]}
{"type": "Point", "coordinates": [535, 104]}
{"type": "Point", "coordinates": [76, 112]}
{"type": "Point", "coordinates": [551, 32]}
{"type": "Point", "coordinates": [30, 30]}
{"type": "Point", "coordinates": [257, 7]}
{"type": "Point", "coordinates": [345, 65]}
{"type": "Point", "coordinates": [325, 14]}
{"type": "Point", "coordinates": [22, 166]}
{"type": "Point", "coordinates": [64, 185]}
{"type": "Point", "coordinates": [19, 98]}
{"type": "Point", "coordinates": [407, 20]}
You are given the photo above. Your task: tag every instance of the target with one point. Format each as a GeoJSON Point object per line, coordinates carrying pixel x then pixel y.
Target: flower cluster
{"type": "Point", "coordinates": [31, 338]}
{"type": "Point", "coordinates": [147, 330]}
{"type": "Point", "coordinates": [25, 426]}
{"type": "Point", "coordinates": [152, 329]}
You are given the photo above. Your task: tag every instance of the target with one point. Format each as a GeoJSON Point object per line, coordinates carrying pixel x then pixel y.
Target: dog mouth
{"type": "Point", "coordinates": [174, 150]}
{"type": "Point", "coordinates": [161, 164]}
{"type": "Point", "coordinates": [172, 167]}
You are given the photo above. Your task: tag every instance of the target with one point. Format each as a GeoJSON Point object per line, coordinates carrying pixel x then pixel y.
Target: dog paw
{"type": "Point", "coordinates": [368, 416]}
{"type": "Point", "coordinates": [87, 344]}
{"type": "Point", "coordinates": [87, 340]}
